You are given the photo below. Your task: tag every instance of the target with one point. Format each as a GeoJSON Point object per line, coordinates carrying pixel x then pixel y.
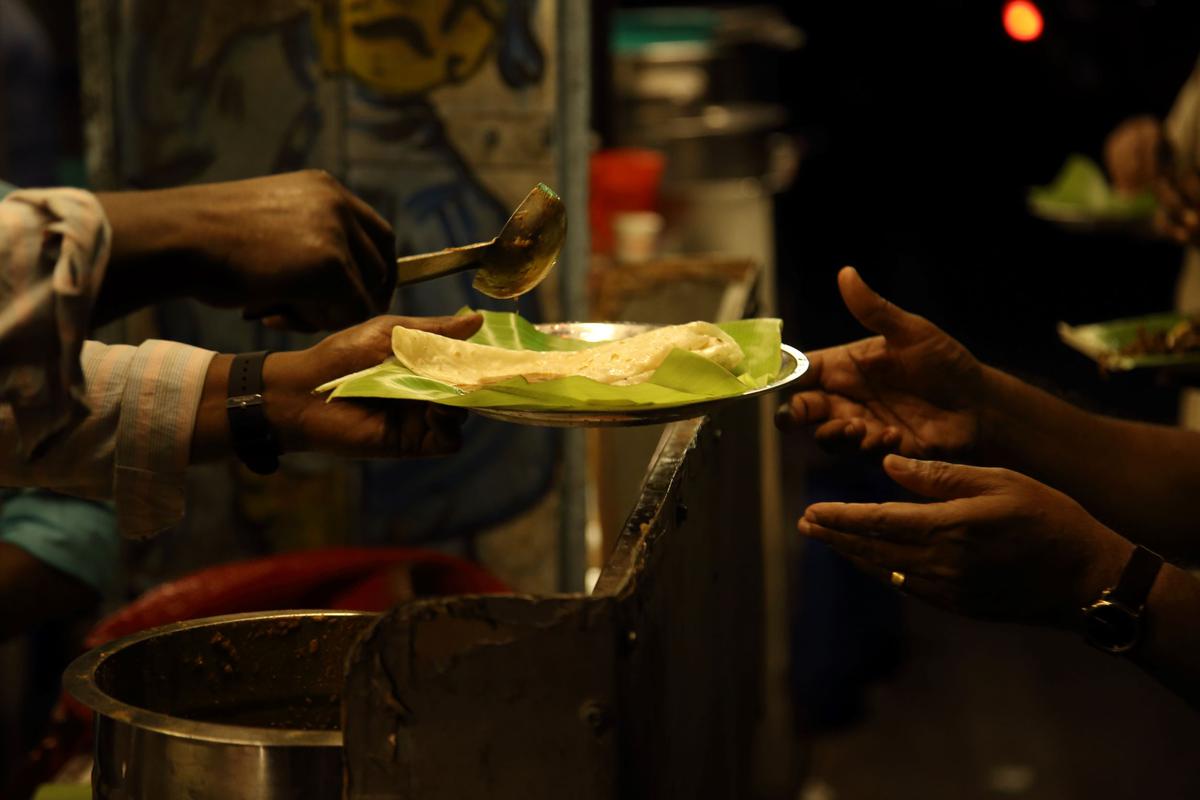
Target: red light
{"type": "Point", "coordinates": [1022, 20]}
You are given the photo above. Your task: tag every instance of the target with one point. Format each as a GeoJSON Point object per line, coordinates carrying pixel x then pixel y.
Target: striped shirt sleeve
{"type": "Point", "coordinates": [133, 447]}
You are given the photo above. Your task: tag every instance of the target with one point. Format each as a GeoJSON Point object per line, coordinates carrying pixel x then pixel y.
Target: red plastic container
{"type": "Point", "coordinates": [622, 179]}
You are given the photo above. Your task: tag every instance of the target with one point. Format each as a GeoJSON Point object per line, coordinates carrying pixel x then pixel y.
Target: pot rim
{"type": "Point", "coordinates": [79, 680]}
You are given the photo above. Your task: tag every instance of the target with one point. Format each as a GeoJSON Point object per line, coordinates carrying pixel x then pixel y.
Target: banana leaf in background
{"type": "Point", "coordinates": [1103, 341]}
{"type": "Point", "coordinates": [681, 379]}
{"type": "Point", "coordinates": [1081, 192]}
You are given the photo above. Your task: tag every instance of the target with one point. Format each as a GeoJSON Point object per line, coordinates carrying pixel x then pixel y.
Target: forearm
{"type": "Point", "coordinates": [153, 251]}
{"type": "Point", "coordinates": [1170, 650]}
{"type": "Point", "coordinates": [1130, 475]}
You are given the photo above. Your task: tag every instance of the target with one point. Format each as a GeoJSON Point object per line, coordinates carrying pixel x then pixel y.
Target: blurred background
{"type": "Point", "coordinates": [899, 137]}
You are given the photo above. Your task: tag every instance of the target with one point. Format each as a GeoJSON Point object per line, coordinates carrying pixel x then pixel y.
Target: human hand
{"type": "Point", "coordinates": [359, 428]}
{"type": "Point", "coordinates": [1178, 214]}
{"type": "Point", "coordinates": [912, 389]}
{"type": "Point", "coordinates": [996, 545]}
{"type": "Point", "coordinates": [297, 250]}
{"type": "Point", "coordinates": [1135, 154]}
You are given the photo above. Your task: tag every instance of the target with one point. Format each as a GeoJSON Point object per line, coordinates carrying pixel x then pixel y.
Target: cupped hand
{"type": "Point", "coordinates": [352, 427]}
{"type": "Point", "coordinates": [996, 544]}
{"type": "Point", "coordinates": [912, 388]}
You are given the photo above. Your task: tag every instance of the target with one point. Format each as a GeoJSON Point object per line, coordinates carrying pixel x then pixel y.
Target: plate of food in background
{"type": "Point", "coordinates": [1168, 340]}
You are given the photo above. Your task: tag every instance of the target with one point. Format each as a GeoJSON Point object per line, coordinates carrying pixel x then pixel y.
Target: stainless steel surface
{"type": "Point", "coordinates": [510, 265]}
{"type": "Point", "coordinates": [240, 707]}
{"type": "Point", "coordinates": [792, 364]}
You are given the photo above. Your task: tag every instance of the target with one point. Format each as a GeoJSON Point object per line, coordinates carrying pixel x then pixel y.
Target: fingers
{"type": "Point", "coordinates": [803, 408]}
{"type": "Point", "coordinates": [462, 326]}
{"type": "Point", "coordinates": [880, 559]}
{"type": "Point", "coordinates": [1178, 216]}
{"type": "Point", "coordinates": [882, 552]}
{"type": "Point", "coordinates": [939, 479]}
{"type": "Point", "coordinates": [371, 273]}
{"type": "Point", "coordinates": [901, 523]}
{"type": "Point", "coordinates": [840, 425]}
{"type": "Point", "coordinates": [914, 584]}
{"type": "Point", "coordinates": [445, 429]}
{"type": "Point", "coordinates": [874, 312]}
{"type": "Point", "coordinates": [857, 433]}
{"type": "Point", "coordinates": [286, 317]}
{"type": "Point", "coordinates": [376, 227]}
{"type": "Point", "coordinates": [424, 429]}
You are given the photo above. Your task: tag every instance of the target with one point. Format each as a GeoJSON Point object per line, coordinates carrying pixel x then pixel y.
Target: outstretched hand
{"type": "Point", "coordinates": [997, 544]}
{"type": "Point", "coordinates": [911, 388]}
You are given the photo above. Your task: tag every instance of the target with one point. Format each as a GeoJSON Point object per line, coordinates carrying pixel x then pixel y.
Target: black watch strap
{"type": "Point", "coordinates": [1137, 579]}
{"type": "Point", "coordinates": [251, 434]}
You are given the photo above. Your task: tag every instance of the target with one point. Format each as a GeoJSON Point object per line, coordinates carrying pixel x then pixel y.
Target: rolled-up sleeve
{"type": "Point", "coordinates": [54, 246]}
{"type": "Point", "coordinates": [93, 420]}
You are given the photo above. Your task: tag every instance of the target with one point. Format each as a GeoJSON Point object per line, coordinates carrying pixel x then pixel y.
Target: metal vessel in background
{"type": "Point", "coordinates": [704, 86]}
{"type": "Point", "coordinates": [240, 707]}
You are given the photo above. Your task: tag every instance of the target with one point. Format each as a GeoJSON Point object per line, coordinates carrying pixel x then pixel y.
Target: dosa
{"type": "Point", "coordinates": [622, 362]}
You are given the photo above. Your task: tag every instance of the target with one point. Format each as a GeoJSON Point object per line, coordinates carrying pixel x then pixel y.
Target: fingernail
{"type": "Point", "coordinates": [897, 461]}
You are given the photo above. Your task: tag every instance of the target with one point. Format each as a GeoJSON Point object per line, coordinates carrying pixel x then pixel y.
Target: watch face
{"type": "Point", "coordinates": [1112, 627]}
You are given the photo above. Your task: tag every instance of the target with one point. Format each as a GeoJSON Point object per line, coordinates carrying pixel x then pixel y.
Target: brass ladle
{"type": "Point", "coordinates": [509, 265]}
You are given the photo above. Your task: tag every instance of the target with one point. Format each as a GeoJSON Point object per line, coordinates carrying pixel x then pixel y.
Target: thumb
{"type": "Point", "coordinates": [457, 327]}
{"type": "Point", "coordinates": [877, 314]}
{"type": "Point", "coordinates": [938, 479]}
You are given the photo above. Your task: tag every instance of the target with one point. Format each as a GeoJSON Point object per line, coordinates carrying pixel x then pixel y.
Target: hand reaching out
{"type": "Point", "coordinates": [996, 544]}
{"type": "Point", "coordinates": [912, 388]}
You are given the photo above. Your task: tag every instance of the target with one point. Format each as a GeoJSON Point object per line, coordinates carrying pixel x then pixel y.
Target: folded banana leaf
{"type": "Point", "coordinates": [1081, 192]}
{"type": "Point", "coordinates": [681, 379]}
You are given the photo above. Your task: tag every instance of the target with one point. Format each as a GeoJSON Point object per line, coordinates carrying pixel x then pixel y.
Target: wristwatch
{"type": "Point", "coordinates": [251, 434]}
{"type": "Point", "coordinates": [1115, 622]}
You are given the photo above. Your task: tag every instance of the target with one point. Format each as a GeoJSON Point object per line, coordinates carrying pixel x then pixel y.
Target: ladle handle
{"type": "Point", "coordinates": [426, 266]}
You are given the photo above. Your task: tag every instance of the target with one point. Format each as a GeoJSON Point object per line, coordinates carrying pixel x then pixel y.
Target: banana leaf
{"type": "Point", "coordinates": [1103, 342]}
{"type": "Point", "coordinates": [1080, 191]}
{"type": "Point", "coordinates": [682, 378]}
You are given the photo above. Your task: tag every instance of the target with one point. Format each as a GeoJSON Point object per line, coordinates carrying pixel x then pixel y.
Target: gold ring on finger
{"type": "Point", "coordinates": [898, 579]}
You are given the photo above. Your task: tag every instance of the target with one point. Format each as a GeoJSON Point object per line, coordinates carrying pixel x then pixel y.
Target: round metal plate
{"type": "Point", "coordinates": [792, 364]}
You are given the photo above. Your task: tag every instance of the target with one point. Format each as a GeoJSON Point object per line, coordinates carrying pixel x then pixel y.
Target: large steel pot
{"type": "Point", "coordinates": [240, 707]}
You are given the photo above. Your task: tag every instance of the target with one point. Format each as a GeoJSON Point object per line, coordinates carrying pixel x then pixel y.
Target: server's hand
{"type": "Point", "coordinates": [912, 388]}
{"type": "Point", "coordinates": [359, 428]}
{"type": "Point", "coordinates": [1135, 154]}
{"type": "Point", "coordinates": [996, 544]}
{"type": "Point", "coordinates": [304, 422]}
{"type": "Point", "coordinates": [297, 250]}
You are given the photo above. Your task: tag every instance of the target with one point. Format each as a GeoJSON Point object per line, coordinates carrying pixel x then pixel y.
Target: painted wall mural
{"type": "Point", "coordinates": [439, 113]}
